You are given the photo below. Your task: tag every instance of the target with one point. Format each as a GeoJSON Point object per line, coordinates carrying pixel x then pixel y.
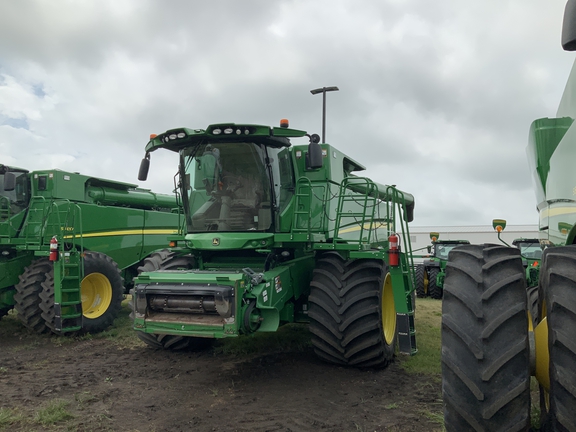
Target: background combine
{"type": "Point", "coordinates": [68, 243]}
{"type": "Point", "coordinates": [494, 337]}
{"type": "Point", "coordinates": [276, 234]}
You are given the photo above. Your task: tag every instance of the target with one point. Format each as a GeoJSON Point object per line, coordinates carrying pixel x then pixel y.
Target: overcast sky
{"type": "Point", "coordinates": [435, 97]}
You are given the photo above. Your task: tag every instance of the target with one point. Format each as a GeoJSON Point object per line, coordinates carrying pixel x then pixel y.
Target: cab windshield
{"type": "Point", "coordinates": [442, 250]}
{"type": "Point", "coordinates": [16, 200]}
{"type": "Point", "coordinates": [531, 250]}
{"type": "Point", "coordinates": [227, 187]}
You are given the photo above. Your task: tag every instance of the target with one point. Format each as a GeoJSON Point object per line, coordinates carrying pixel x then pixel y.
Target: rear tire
{"type": "Point", "coordinates": [559, 287]}
{"type": "Point", "coordinates": [27, 296]}
{"type": "Point", "coordinates": [167, 260]}
{"type": "Point", "coordinates": [421, 279]}
{"type": "Point", "coordinates": [352, 314]}
{"type": "Point", "coordinates": [433, 289]}
{"type": "Point", "coordinates": [485, 347]}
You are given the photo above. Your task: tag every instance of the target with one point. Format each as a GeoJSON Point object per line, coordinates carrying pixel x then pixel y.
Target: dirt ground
{"type": "Point", "coordinates": [141, 389]}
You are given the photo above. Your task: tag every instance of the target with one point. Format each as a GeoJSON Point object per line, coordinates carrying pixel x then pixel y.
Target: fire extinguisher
{"type": "Point", "coordinates": [53, 249]}
{"type": "Point", "coordinates": [393, 250]}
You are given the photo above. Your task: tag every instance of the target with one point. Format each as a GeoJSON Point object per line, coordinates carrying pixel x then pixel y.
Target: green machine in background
{"type": "Point", "coordinates": [429, 275]}
{"type": "Point", "coordinates": [69, 241]}
{"type": "Point", "coordinates": [279, 233]}
{"type": "Point", "coordinates": [531, 252]}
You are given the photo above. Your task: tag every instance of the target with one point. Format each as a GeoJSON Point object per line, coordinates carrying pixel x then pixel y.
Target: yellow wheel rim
{"type": "Point", "coordinates": [388, 311]}
{"type": "Point", "coordinates": [425, 282]}
{"type": "Point", "coordinates": [96, 295]}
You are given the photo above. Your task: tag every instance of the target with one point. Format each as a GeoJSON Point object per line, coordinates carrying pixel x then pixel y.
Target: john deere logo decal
{"type": "Point", "coordinates": [215, 241]}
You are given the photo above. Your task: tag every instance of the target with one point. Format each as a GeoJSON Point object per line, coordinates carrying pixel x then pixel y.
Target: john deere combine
{"type": "Point", "coordinates": [68, 242]}
{"type": "Point", "coordinates": [492, 340]}
{"type": "Point", "coordinates": [279, 233]}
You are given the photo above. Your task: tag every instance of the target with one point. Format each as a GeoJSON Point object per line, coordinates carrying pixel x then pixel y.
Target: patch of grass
{"type": "Point", "coordinates": [290, 337]}
{"type": "Point", "coordinates": [84, 398]}
{"type": "Point", "coordinates": [535, 405]}
{"type": "Point", "coordinates": [55, 412]}
{"type": "Point", "coordinates": [428, 323]}
{"type": "Point", "coordinates": [10, 416]}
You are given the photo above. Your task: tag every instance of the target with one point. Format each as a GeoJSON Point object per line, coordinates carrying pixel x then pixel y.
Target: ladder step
{"type": "Point", "coordinates": [71, 316]}
{"type": "Point", "coordinates": [406, 333]}
{"type": "Point", "coordinates": [70, 303]}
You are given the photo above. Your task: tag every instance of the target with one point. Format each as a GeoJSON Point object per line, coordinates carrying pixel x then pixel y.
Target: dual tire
{"type": "Point", "coordinates": [485, 350]}
{"type": "Point", "coordinates": [558, 292]}
{"type": "Point", "coordinates": [485, 345]}
{"type": "Point", "coordinates": [425, 278]}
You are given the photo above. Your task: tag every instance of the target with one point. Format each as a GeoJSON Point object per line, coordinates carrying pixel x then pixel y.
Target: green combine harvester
{"type": "Point", "coordinates": [279, 233]}
{"type": "Point", "coordinates": [70, 246]}
{"type": "Point", "coordinates": [496, 330]}
{"type": "Point", "coordinates": [430, 274]}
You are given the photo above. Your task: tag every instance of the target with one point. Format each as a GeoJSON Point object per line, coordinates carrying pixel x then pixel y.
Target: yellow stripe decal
{"type": "Point", "coordinates": [127, 232]}
{"type": "Point", "coordinates": [557, 211]}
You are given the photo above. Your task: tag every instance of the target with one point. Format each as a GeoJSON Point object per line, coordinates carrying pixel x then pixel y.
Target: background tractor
{"type": "Point", "coordinates": [279, 233]}
{"type": "Point", "coordinates": [429, 275]}
{"type": "Point", "coordinates": [68, 242]}
{"type": "Point", "coordinates": [493, 336]}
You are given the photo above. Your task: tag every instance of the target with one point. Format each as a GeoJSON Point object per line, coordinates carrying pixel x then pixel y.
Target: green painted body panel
{"type": "Point", "coordinates": [268, 250]}
{"type": "Point", "coordinates": [85, 213]}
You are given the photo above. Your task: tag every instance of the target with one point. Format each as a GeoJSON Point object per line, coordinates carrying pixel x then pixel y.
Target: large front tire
{"type": "Point", "coordinates": [558, 284]}
{"type": "Point", "coordinates": [352, 313]}
{"type": "Point", "coordinates": [485, 348]}
{"type": "Point", "coordinates": [27, 295]}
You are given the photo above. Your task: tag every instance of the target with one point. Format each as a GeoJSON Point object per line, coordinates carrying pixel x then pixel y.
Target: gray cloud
{"type": "Point", "coordinates": [436, 97]}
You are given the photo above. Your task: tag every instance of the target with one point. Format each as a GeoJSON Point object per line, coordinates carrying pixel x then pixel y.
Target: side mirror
{"type": "Point", "coordinates": [314, 155]}
{"type": "Point", "coordinates": [429, 248]}
{"type": "Point", "coordinates": [144, 168]}
{"type": "Point", "coordinates": [569, 26]}
{"type": "Point", "coordinates": [9, 181]}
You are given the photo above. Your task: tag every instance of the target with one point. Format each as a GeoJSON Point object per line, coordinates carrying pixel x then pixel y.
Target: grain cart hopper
{"type": "Point", "coordinates": [429, 275]}
{"type": "Point", "coordinates": [67, 242]}
{"type": "Point", "coordinates": [493, 340]}
{"type": "Point", "coordinates": [277, 234]}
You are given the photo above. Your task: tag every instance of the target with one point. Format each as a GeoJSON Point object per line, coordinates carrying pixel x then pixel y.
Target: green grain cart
{"type": "Point", "coordinates": [494, 337]}
{"type": "Point", "coordinates": [279, 233]}
{"type": "Point", "coordinates": [68, 242]}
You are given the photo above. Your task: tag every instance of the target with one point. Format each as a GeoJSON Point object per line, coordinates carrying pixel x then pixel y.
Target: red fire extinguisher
{"type": "Point", "coordinates": [393, 250]}
{"type": "Point", "coordinates": [53, 249]}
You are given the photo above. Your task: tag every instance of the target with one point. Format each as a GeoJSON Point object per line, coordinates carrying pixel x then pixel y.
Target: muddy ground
{"type": "Point", "coordinates": [107, 386]}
